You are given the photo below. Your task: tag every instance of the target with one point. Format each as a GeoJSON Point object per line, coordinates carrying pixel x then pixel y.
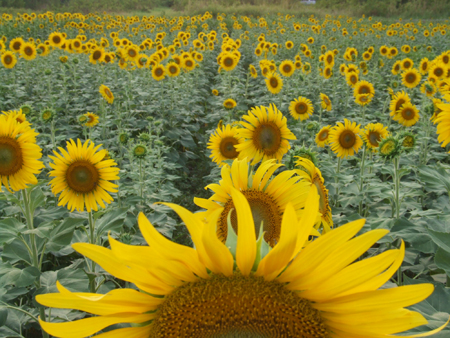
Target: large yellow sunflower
{"type": "Point", "coordinates": [411, 78]}
{"type": "Point", "coordinates": [19, 154]}
{"type": "Point", "coordinates": [158, 72]}
{"type": "Point", "coordinates": [301, 108]}
{"type": "Point", "coordinates": [82, 176]}
{"type": "Point", "coordinates": [56, 39]}
{"type": "Point", "coordinates": [363, 88]}
{"type": "Point", "coordinates": [407, 115]}
{"type": "Point", "coordinates": [222, 144]}
{"type": "Point", "coordinates": [372, 135]}
{"type": "Point", "coordinates": [267, 195]}
{"type": "Point", "coordinates": [28, 51]}
{"type": "Point", "coordinates": [107, 94]}
{"type": "Point", "coordinates": [245, 289]}
{"type": "Point", "coordinates": [266, 135]}
{"type": "Point", "coordinates": [274, 83]}
{"type": "Point", "coordinates": [287, 68]}
{"type": "Point", "coordinates": [8, 59]}
{"type": "Point", "coordinates": [397, 101]}
{"type": "Point", "coordinates": [344, 139]}
{"type": "Point", "coordinates": [443, 121]}
{"type": "Point", "coordinates": [311, 174]}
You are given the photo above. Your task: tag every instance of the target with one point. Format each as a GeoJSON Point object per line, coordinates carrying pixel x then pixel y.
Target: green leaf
{"type": "Point", "coordinates": [37, 199]}
{"type": "Point", "coordinates": [442, 260]}
{"type": "Point", "coordinates": [9, 229]}
{"type": "Point", "coordinates": [16, 251]}
{"type": "Point", "coordinates": [442, 239]}
{"type": "Point", "coordinates": [62, 234]}
{"type": "Point", "coordinates": [18, 277]}
{"type": "Point", "coordinates": [3, 316]}
{"type": "Point", "coordinates": [113, 220]}
{"type": "Point", "coordinates": [75, 280]}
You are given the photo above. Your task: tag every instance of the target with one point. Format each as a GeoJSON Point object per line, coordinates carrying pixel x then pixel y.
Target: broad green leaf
{"type": "Point", "coordinates": [9, 229]}
{"type": "Point", "coordinates": [62, 234]}
{"type": "Point", "coordinates": [442, 239]}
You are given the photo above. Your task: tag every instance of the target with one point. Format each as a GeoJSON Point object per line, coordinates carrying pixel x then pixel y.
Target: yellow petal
{"type": "Point", "coordinates": [88, 326]}
{"type": "Point", "coordinates": [128, 332]}
{"type": "Point", "coordinates": [246, 242]}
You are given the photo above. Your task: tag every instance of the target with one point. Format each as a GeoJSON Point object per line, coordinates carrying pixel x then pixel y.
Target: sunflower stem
{"type": "Point", "coordinates": [28, 213]}
{"type": "Point", "coordinates": [336, 180]}
{"type": "Point", "coordinates": [361, 184]}
{"type": "Point", "coordinates": [52, 133]}
{"type": "Point", "coordinates": [141, 180]}
{"type": "Point", "coordinates": [92, 240]}
{"type": "Point", "coordinates": [397, 187]}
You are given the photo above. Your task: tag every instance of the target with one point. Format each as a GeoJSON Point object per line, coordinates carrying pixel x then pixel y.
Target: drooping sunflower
{"type": "Point", "coordinates": [267, 195]}
{"type": "Point", "coordinates": [266, 133]}
{"type": "Point", "coordinates": [311, 174]}
{"type": "Point", "coordinates": [274, 83]}
{"type": "Point", "coordinates": [8, 59]}
{"type": "Point", "coordinates": [301, 108]}
{"type": "Point", "coordinates": [407, 115]}
{"type": "Point", "coordinates": [411, 78]}
{"type": "Point", "coordinates": [344, 139]}
{"type": "Point", "coordinates": [373, 134]}
{"type": "Point", "coordinates": [222, 144]}
{"type": "Point", "coordinates": [241, 289]}
{"type": "Point", "coordinates": [397, 101]}
{"type": "Point", "coordinates": [91, 120]}
{"type": "Point", "coordinates": [107, 94]}
{"type": "Point", "coordinates": [323, 136]}
{"type": "Point", "coordinates": [325, 102]}
{"type": "Point", "coordinates": [82, 176]}
{"type": "Point", "coordinates": [362, 88]}
{"type": "Point", "coordinates": [287, 68]}
{"type": "Point", "coordinates": [28, 51]}
{"type": "Point", "coordinates": [229, 103]}
{"type": "Point", "coordinates": [19, 154]}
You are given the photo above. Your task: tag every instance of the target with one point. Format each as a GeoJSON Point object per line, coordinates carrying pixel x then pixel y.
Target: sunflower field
{"type": "Point", "coordinates": [224, 176]}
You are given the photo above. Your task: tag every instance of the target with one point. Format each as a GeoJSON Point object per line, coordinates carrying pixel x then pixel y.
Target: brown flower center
{"type": "Point", "coordinates": [227, 148]}
{"type": "Point", "coordinates": [347, 139]}
{"type": "Point", "coordinates": [82, 176]}
{"type": "Point", "coordinates": [267, 138]}
{"type": "Point", "coordinates": [11, 159]}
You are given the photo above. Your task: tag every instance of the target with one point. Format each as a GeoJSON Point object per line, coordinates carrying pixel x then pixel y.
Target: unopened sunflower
{"type": "Point", "coordinates": [242, 288]}
{"type": "Point", "coordinates": [82, 176]}
{"type": "Point", "coordinates": [266, 133]}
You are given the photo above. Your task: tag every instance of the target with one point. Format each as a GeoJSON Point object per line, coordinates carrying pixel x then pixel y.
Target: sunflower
{"type": "Point", "coordinates": [19, 116]}
{"type": "Point", "coordinates": [311, 174]}
{"type": "Point", "coordinates": [344, 139]}
{"type": "Point", "coordinates": [189, 64]}
{"type": "Point", "coordinates": [222, 144]}
{"type": "Point", "coordinates": [19, 154]}
{"type": "Point", "coordinates": [428, 88]}
{"type": "Point", "coordinates": [107, 94]}
{"type": "Point", "coordinates": [363, 99]}
{"type": "Point", "coordinates": [253, 71]}
{"type": "Point", "coordinates": [363, 88]}
{"type": "Point", "coordinates": [28, 51]}
{"type": "Point", "coordinates": [215, 92]}
{"type": "Point", "coordinates": [8, 59]}
{"type": "Point", "coordinates": [327, 72]}
{"type": "Point", "coordinates": [329, 58]}
{"type": "Point", "coordinates": [411, 78]}
{"type": "Point", "coordinates": [322, 137]}
{"type": "Point", "coordinates": [132, 53]}
{"type": "Point", "coordinates": [438, 70]}
{"type": "Point", "coordinates": [397, 101]}
{"type": "Point", "coordinates": [16, 44]}
{"type": "Point", "coordinates": [229, 103]}
{"type": "Point", "coordinates": [266, 193]}
{"type": "Point", "coordinates": [82, 176]}
{"type": "Point", "coordinates": [274, 83]}
{"type": "Point", "coordinates": [442, 118]}
{"type": "Point", "coordinates": [56, 39]}
{"type": "Point", "coordinates": [243, 288]}
{"type": "Point", "coordinates": [91, 120]}
{"type": "Point", "coordinates": [396, 67]}
{"type": "Point", "coordinates": [424, 66]}
{"type": "Point", "coordinates": [287, 68]}
{"type": "Point", "coordinates": [389, 147]}
{"type": "Point", "coordinates": [266, 135]}
{"type": "Point", "coordinates": [407, 115]}
{"type": "Point", "coordinates": [372, 134]}
{"type": "Point", "coordinates": [172, 69]}
{"type": "Point", "coordinates": [406, 64]}
{"type": "Point", "coordinates": [325, 102]}
{"type": "Point", "coordinates": [352, 78]}
{"type": "Point", "coordinates": [301, 108]}
{"type": "Point", "coordinates": [289, 44]}
{"type": "Point", "coordinates": [97, 55]}
{"type": "Point", "coordinates": [228, 61]}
